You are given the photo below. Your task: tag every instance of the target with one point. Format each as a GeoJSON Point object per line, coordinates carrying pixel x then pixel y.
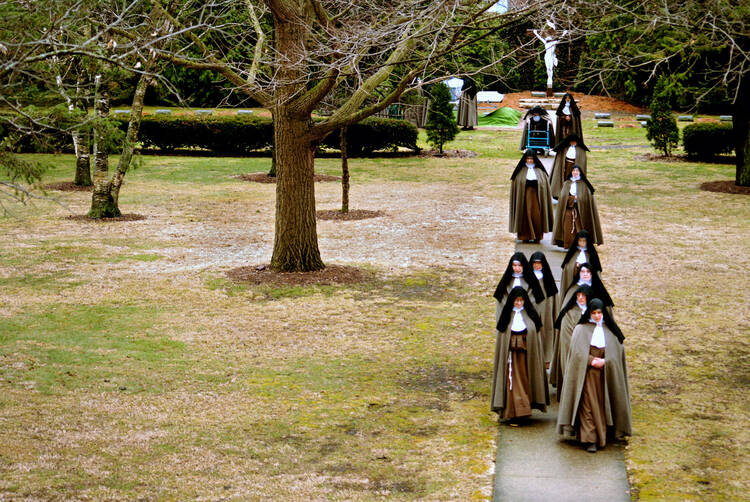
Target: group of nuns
{"type": "Point", "coordinates": [532, 191]}
{"type": "Point", "coordinates": [571, 332]}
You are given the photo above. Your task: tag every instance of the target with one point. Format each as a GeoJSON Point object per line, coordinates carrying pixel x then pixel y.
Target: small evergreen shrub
{"type": "Point", "coordinates": [661, 129]}
{"type": "Point", "coordinates": [441, 124]}
{"type": "Point", "coordinates": [704, 141]}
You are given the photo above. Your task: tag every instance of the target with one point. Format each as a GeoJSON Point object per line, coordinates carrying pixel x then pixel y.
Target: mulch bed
{"type": "Point", "coordinates": [265, 178]}
{"type": "Point", "coordinates": [354, 214]}
{"type": "Point", "coordinates": [450, 154]}
{"type": "Point", "coordinates": [727, 186]}
{"type": "Point", "coordinates": [67, 186]}
{"type": "Point", "coordinates": [329, 276]}
{"type": "Point", "coordinates": [122, 217]}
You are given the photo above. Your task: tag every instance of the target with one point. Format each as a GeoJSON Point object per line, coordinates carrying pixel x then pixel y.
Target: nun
{"type": "Point", "coordinates": [518, 273]}
{"type": "Point", "coordinates": [530, 200]}
{"type": "Point", "coordinates": [537, 119]}
{"type": "Point", "coordinates": [565, 322]}
{"type": "Point", "coordinates": [595, 399]}
{"type": "Point", "coordinates": [576, 211]}
{"type": "Point", "coordinates": [568, 117]}
{"type": "Point", "coordinates": [568, 153]}
{"type": "Point", "coordinates": [548, 308]}
{"type": "Point", "coordinates": [467, 105]}
{"type": "Point", "coordinates": [587, 277]}
{"type": "Point", "coordinates": [579, 252]}
{"type": "Point", "coordinates": [519, 381]}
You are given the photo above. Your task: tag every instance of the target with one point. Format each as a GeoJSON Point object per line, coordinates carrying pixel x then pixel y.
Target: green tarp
{"type": "Point", "coordinates": [504, 116]}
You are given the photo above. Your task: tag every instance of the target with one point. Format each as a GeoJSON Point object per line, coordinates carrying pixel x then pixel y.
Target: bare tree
{"type": "Point", "coordinates": [371, 49]}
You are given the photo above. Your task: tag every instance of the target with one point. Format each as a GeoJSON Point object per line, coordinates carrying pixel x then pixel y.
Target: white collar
{"type": "Point", "coordinates": [598, 339]}
{"type": "Point", "coordinates": [518, 323]}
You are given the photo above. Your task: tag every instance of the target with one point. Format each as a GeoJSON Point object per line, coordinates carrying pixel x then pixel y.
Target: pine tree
{"type": "Point", "coordinates": [662, 130]}
{"type": "Point", "coordinates": [441, 125]}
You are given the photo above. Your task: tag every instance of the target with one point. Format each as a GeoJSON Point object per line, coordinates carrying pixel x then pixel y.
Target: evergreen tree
{"type": "Point", "coordinates": [441, 125]}
{"type": "Point", "coordinates": [662, 129]}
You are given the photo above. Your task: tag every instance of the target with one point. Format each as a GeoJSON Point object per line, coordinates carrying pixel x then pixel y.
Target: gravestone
{"type": "Point", "coordinates": [538, 94]}
{"type": "Point", "coordinates": [725, 118]}
{"type": "Point", "coordinates": [643, 117]}
{"type": "Point", "coordinates": [163, 112]}
{"type": "Point", "coordinates": [602, 115]}
{"type": "Point", "coordinates": [204, 112]}
{"type": "Point", "coordinates": [244, 112]}
{"type": "Point", "coordinates": [644, 123]}
{"type": "Point", "coordinates": [684, 118]}
{"type": "Point", "coordinates": [605, 123]}
{"type": "Point", "coordinates": [119, 112]}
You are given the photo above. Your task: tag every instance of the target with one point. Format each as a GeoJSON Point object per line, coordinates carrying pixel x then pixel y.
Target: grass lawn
{"type": "Point", "coordinates": [132, 367]}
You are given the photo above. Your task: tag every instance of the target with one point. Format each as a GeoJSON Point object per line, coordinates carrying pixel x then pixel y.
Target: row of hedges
{"type": "Point", "coordinates": [233, 135]}
{"type": "Point", "coordinates": [238, 135]}
{"type": "Point", "coordinates": [705, 141]}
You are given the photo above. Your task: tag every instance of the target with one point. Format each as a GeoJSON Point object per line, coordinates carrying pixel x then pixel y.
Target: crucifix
{"type": "Point", "coordinates": [549, 39]}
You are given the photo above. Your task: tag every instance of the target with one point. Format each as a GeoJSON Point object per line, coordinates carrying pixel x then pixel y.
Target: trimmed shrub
{"type": "Point", "coordinates": [704, 141]}
{"type": "Point", "coordinates": [373, 134]}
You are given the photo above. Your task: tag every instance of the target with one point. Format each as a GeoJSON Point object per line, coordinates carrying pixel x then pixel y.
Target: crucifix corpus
{"type": "Point", "coordinates": [549, 38]}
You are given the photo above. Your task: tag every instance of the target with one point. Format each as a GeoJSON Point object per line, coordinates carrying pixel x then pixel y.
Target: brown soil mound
{"type": "Point", "coordinates": [587, 103]}
{"type": "Point", "coordinates": [452, 154]}
{"type": "Point", "coordinates": [329, 276]}
{"type": "Point", "coordinates": [67, 186]}
{"type": "Point", "coordinates": [354, 214]}
{"type": "Point", "coordinates": [122, 217]}
{"type": "Point", "coordinates": [727, 186]}
{"type": "Point", "coordinates": [265, 178]}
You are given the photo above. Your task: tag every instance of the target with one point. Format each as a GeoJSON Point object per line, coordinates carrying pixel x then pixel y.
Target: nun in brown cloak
{"type": "Point", "coordinates": [595, 399]}
{"type": "Point", "coordinates": [467, 105]}
{"type": "Point", "coordinates": [565, 322]}
{"type": "Point", "coordinates": [518, 273]}
{"type": "Point", "coordinates": [579, 252]}
{"type": "Point", "coordinates": [576, 211]}
{"type": "Point", "coordinates": [569, 152]}
{"type": "Point", "coordinates": [519, 381]}
{"type": "Point", "coordinates": [537, 119]}
{"type": "Point", "coordinates": [530, 201]}
{"type": "Point", "coordinates": [587, 277]}
{"type": "Point", "coordinates": [568, 118]}
{"type": "Point", "coordinates": [549, 307]}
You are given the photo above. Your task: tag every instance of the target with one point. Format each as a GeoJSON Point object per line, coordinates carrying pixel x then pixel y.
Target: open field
{"type": "Point", "coordinates": [132, 367]}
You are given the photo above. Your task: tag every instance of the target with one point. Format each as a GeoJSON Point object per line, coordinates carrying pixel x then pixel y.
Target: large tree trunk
{"type": "Point", "coordinates": [102, 203]}
{"type": "Point", "coordinates": [741, 125]}
{"type": "Point", "coordinates": [136, 113]}
{"type": "Point", "coordinates": [83, 159]}
{"type": "Point", "coordinates": [295, 247]}
{"type": "Point", "coordinates": [344, 173]}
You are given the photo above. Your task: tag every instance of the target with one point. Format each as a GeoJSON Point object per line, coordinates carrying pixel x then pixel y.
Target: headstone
{"type": "Point", "coordinates": [204, 112]}
{"type": "Point", "coordinates": [538, 94]}
{"type": "Point", "coordinates": [725, 118]}
{"type": "Point", "coordinates": [643, 117]}
{"type": "Point", "coordinates": [559, 94]}
{"type": "Point", "coordinates": [684, 118]}
{"type": "Point", "coordinates": [644, 123]}
{"type": "Point", "coordinates": [163, 112]}
{"type": "Point", "coordinates": [602, 115]}
{"type": "Point", "coordinates": [244, 112]}
{"type": "Point", "coordinates": [118, 112]}
{"type": "Point", "coordinates": [605, 123]}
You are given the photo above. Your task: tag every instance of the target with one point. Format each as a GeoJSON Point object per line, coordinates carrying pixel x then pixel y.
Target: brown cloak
{"type": "Point", "coordinates": [548, 311]}
{"type": "Point", "coordinates": [467, 110]}
{"type": "Point", "coordinates": [537, 376]}
{"type": "Point", "coordinates": [616, 392]}
{"type": "Point", "coordinates": [557, 175]}
{"type": "Point", "coordinates": [575, 125]}
{"type": "Point", "coordinates": [587, 210]}
{"type": "Point", "coordinates": [518, 194]}
{"type": "Point", "coordinates": [561, 347]}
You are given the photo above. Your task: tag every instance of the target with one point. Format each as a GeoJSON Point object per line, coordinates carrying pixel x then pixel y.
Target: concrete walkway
{"type": "Point", "coordinates": [534, 465]}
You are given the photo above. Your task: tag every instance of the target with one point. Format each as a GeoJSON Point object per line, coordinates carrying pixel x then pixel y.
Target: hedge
{"type": "Point", "coordinates": [704, 141]}
{"type": "Point", "coordinates": [238, 135]}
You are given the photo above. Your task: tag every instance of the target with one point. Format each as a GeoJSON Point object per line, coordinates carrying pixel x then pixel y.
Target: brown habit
{"type": "Point", "coordinates": [467, 110]}
{"type": "Point", "coordinates": [548, 311]}
{"type": "Point", "coordinates": [586, 208]}
{"type": "Point", "coordinates": [566, 128]}
{"type": "Point", "coordinates": [538, 391]}
{"type": "Point", "coordinates": [616, 395]}
{"type": "Point", "coordinates": [518, 202]}
{"type": "Point", "coordinates": [560, 349]}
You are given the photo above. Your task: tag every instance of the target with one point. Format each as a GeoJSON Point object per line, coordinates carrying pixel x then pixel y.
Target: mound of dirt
{"type": "Point", "coordinates": [67, 186]}
{"type": "Point", "coordinates": [725, 186]}
{"type": "Point", "coordinates": [587, 103]}
{"type": "Point", "coordinates": [265, 178]}
{"type": "Point", "coordinates": [122, 217]}
{"type": "Point", "coordinates": [329, 276]}
{"type": "Point", "coordinates": [354, 214]}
